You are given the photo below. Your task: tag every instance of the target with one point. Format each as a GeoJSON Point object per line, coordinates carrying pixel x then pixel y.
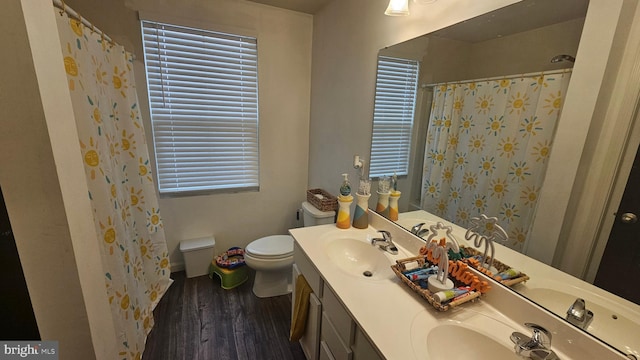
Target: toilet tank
{"type": "Point", "coordinates": [313, 216]}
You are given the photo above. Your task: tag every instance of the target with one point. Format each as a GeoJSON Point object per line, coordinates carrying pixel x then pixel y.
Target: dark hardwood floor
{"type": "Point", "coordinates": [198, 320]}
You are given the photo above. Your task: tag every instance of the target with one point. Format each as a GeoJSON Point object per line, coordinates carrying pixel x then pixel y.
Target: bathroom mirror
{"type": "Point", "coordinates": [521, 38]}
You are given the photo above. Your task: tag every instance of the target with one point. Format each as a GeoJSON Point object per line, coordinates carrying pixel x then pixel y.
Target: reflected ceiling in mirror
{"type": "Point", "coordinates": [513, 19]}
{"type": "Point", "coordinates": [520, 38]}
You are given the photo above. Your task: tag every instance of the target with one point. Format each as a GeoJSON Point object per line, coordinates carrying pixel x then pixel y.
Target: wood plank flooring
{"type": "Point", "coordinates": [198, 320]}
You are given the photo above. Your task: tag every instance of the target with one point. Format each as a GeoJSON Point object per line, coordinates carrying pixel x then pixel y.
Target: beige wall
{"type": "Point", "coordinates": [446, 60]}
{"type": "Point", "coordinates": [284, 71]}
{"type": "Point", "coordinates": [528, 51]}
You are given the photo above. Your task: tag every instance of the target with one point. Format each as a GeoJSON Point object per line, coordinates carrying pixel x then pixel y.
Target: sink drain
{"type": "Point", "coordinates": [367, 273]}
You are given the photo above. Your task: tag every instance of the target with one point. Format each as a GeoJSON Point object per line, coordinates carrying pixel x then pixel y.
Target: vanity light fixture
{"type": "Point", "coordinates": [401, 7]}
{"type": "Point", "coordinates": [397, 8]}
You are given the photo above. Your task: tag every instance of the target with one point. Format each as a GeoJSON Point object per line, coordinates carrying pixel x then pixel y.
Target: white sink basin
{"type": "Point", "coordinates": [359, 258]}
{"type": "Point", "coordinates": [609, 318]}
{"type": "Point", "coordinates": [453, 342]}
{"type": "Point", "coordinates": [463, 334]}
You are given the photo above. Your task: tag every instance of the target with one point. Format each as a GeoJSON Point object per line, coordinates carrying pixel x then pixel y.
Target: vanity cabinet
{"type": "Point", "coordinates": [331, 333]}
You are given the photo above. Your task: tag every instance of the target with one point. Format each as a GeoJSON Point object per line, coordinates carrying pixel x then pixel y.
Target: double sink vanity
{"type": "Point", "coordinates": [360, 309]}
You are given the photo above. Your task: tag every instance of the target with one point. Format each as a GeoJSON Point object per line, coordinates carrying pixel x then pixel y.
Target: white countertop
{"type": "Point", "coordinates": [388, 311]}
{"type": "Point", "coordinates": [556, 291]}
{"type": "Point", "coordinates": [398, 321]}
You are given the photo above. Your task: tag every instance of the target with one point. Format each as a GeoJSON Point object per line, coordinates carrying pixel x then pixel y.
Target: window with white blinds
{"type": "Point", "coordinates": [203, 94]}
{"type": "Point", "coordinates": [396, 86]}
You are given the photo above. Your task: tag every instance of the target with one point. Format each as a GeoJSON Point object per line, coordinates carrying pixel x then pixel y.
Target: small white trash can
{"type": "Point", "coordinates": [198, 255]}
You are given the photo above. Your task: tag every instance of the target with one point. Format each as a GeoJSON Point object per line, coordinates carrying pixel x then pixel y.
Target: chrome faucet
{"type": "Point", "coordinates": [418, 230]}
{"type": "Point", "coordinates": [579, 315]}
{"type": "Point", "coordinates": [537, 347]}
{"type": "Point", "coordinates": [387, 245]}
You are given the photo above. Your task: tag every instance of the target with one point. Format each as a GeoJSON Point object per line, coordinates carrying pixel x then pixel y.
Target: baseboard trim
{"type": "Point", "coordinates": [177, 266]}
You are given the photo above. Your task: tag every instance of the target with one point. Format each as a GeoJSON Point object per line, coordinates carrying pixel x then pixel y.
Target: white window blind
{"type": "Point", "coordinates": [203, 94]}
{"type": "Point", "coordinates": [396, 86]}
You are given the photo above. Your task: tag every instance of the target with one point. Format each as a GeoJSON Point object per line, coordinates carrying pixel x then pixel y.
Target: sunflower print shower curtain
{"type": "Point", "coordinates": [121, 188]}
{"type": "Point", "coordinates": [488, 144]}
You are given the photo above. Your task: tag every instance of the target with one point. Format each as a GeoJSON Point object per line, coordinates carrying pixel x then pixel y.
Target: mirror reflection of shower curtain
{"type": "Point", "coordinates": [487, 149]}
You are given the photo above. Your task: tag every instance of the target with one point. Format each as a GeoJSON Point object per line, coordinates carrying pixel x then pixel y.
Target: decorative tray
{"type": "Point", "coordinates": [469, 252]}
{"type": "Point", "coordinates": [458, 273]}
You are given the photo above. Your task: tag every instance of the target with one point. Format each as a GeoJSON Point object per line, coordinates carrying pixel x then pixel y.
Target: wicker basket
{"type": "Point", "coordinates": [401, 266]}
{"type": "Point", "coordinates": [327, 203]}
{"type": "Point", "coordinates": [498, 265]}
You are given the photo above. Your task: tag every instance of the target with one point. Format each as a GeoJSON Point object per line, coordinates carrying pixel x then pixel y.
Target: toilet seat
{"type": "Point", "coordinates": [271, 247]}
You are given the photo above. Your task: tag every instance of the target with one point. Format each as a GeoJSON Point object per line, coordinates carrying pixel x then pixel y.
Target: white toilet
{"type": "Point", "coordinates": [272, 256]}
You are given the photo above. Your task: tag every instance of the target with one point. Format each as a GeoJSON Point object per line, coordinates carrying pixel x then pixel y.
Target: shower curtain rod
{"type": "Point", "coordinates": [59, 4]}
{"type": "Point", "coordinates": [515, 76]}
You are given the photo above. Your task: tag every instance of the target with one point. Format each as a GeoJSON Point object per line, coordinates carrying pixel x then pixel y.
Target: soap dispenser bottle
{"type": "Point", "coordinates": [344, 204]}
{"type": "Point", "coordinates": [345, 189]}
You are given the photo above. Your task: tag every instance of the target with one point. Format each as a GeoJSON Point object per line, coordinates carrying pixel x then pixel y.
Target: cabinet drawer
{"type": "Point", "coordinates": [325, 353]}
{"type": "Point", "coordinates": [337, 347]}
{"type": "Point", "coordinates": [308, 270]}
{"type": "Point", "coordinates": [339, 316]}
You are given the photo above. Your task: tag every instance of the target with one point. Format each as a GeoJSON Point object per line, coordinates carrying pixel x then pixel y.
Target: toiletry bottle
{"type": "Point", "coordinates": [345, 189]}
{"type": "Point", "coordinates": [445, 295]}
{"type": "Point", "coordinates": [345, 199]}
{"type": "Point", "coordinates": [507, 274]}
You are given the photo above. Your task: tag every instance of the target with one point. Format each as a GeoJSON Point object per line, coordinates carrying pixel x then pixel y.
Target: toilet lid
{"type": "Point", "coordinates": [271, 246]}
{"type": "Point", "coordinates": [317, 213]}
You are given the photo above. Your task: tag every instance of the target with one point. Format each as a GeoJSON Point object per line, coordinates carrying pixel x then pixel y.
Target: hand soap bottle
{"type": "Point", "coordinates": [345, 189]}
{"type": "Point", "coordinates": [344, 204]}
